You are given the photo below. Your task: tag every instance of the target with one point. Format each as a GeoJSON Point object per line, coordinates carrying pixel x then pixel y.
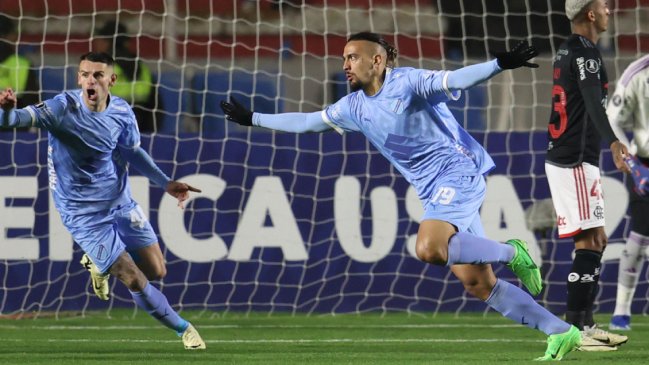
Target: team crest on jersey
{"type": "Point", "coordinates": [617, 100]}
{"type": "Point", "coordinates": [592, 66]}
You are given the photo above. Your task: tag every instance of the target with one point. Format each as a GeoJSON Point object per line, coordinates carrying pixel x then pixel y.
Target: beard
{"type": "Point", "coordinates": [355, 86]}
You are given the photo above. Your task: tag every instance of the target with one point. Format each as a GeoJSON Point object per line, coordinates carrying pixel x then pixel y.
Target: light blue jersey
{"type": "Point", "coordinates": [410, 124]}
{"type": "Point", "coordinates": [86, 171]}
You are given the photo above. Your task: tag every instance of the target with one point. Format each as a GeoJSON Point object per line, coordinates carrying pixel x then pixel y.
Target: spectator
{"type": "Point", "coordinates": [16, 71]}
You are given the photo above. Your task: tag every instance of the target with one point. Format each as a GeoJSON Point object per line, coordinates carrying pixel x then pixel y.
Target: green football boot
{"type": "Point", "coordinates": [524, 267]}
{"type": "Point", "coordinates": [561, 344]}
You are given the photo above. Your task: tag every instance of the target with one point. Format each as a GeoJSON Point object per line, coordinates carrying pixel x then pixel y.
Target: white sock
{"type": "Point", "coordinates": [631, 263]}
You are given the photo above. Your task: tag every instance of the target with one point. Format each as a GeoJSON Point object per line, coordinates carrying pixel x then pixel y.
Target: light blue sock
{"type": "Point", "coordinates": [155, 303]}
{"type": "Point", "coordinates": [465, 248]}
{"type": "Point", "coordinates": [517, 305]}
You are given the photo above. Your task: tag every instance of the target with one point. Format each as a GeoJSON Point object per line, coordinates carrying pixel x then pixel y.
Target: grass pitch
{"type": "Point", "coordinates": [395, 338]}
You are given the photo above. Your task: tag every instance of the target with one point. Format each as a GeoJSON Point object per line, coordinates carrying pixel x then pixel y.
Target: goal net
{"type": "Point", "coordinates": [313, 223]}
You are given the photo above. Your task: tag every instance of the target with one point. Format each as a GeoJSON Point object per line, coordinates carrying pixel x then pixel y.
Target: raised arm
{"type": "Point", "coordinates": [10, 117]}
{"type": "Point", "coordinates": [287, 122]}
{"type": "Point", "coordinates": [472, 75]}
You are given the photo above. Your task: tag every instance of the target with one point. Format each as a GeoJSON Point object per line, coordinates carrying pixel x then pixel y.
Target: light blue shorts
{"type": "Point", "coordinates": [457, 200]}
{"type": "Point", "coordinates": [105, 235]}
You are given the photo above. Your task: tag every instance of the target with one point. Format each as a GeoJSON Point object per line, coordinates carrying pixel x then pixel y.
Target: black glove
{"type": "Point", "coordinates": [517, 57]}
{"type": "Point", "coordinates": [236, 112]}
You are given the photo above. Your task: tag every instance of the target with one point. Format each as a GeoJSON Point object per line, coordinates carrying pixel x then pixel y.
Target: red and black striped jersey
{"type": "Point", "coordinates": [573, 137]}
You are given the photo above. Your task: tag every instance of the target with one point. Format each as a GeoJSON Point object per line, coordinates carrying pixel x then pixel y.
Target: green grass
{"type": "Point", "coordinates": [394, 338]}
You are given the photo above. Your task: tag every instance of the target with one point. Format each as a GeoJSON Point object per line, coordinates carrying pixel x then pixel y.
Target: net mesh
{"type": "Point", "coordinates": [309, 223]}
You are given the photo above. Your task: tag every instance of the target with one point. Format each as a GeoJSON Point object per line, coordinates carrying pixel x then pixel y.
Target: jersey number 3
{"type": "Point", "coordinates": [559, 98]}
{"type": "Point", "coordinates": [443, 195]}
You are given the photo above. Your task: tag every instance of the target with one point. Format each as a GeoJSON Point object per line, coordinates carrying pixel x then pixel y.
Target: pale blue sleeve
{"type": "Point", "coordinates": [442, 86]}
{"type": "Point", "coordinates": [431, 85]}
{"type": "Point", "coordinates": [45, 115]}
{"type": "Point", "coordinates": [291, 122]}
{"type": "Point", "coordinates": [340, 115]}
{"type": "Point", "coordinates": [130, 137]}
{"type": "Point", "coordinates": [145, 165]}
{"type": "Point", "coordinates": [469, 76]}
{"type": "Point", "coordinates": [16, 118]}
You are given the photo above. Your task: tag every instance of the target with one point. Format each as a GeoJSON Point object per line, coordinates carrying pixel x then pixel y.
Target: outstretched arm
{"type": "Point", "coordinates": [469, 76]}
{"type": "Point", "coordinates": [145, 165]}
{"type": "Point", "coordinates": [287, 122]}
{"type": "Point", "coordinates": [466, 77]}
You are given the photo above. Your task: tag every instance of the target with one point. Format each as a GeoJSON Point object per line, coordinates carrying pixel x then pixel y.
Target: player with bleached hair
{"type": "Point", "coordinates": [93, 136]}
{"type": "Point", "coordinates": [403, 113]}
{"type": "Point", "coordinates": [629, 109]}
{"type": "Point", "coordinates": [576, 129]}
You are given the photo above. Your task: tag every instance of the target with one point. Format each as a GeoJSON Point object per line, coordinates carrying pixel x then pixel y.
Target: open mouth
{"type": "Point", "coordinates": [92, 94]}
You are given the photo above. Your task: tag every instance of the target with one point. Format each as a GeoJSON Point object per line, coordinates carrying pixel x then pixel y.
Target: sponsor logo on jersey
{"type": "Point", "coordinates": [52, 178]}
{"type": "Point", "coordinates": [592, 66]}
{"type": "Point", "coordinates": [562, 52]}
{"type": "Point", "coordinates": [561, 221]}
{"type": "Point", "coordinates": [580, 66]}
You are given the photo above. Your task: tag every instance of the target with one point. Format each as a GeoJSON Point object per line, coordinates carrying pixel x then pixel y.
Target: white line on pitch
{"type": "Point", "coordinates": [290, 341]}
{"type": "Point", "coordinates": [269, 326]}
{"type": "Point", "coordinates": [276, 326]}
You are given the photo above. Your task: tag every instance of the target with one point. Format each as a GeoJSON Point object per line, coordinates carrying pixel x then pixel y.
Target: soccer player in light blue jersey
{"type": "Point", "coordinates": [93, 136]}
{"type": "Point", "coordinates": [403, 113]}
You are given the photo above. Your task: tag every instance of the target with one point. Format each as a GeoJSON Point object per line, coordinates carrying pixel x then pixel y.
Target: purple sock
{"type": "Point", "coordinates": [517, 305]}
{"type": "Point", "coordinates": [465, 248]}
{"type": "Point", "coordinates": [155, 303]}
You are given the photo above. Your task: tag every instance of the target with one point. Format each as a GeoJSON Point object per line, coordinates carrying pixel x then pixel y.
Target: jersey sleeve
{"type": "Point", "coordinates": [339, 115]}
{"type": "Point", "coordinates": [130, 137]}
{"type": "Point", "coordinates": [586, 66]}
{"type": "Point", "coordinates": [621, 106]}
{"type": "Point", "coordinates": [432, 85]}
{"type": "Point", "coordinates": [48, 114]}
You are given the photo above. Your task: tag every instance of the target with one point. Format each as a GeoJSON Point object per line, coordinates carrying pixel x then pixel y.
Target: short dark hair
{"type": "Point", "coordinates": [377, 38]}
{"type": "Point", "coordinates": [101, 57]}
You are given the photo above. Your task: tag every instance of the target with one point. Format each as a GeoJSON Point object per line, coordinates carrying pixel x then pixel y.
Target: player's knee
{"type": "Point", "coordinates": [599, 242]}
{"type": "Point", "coordinates": [159, 272]}
{"type": "Point", "coordinates": [429, 251]}
{"type": "Point", "coordinates": [154, 270]}
{"type": "Point", "coordinates": [593, 240]}
{"type": "Point", "coordinates": [133, 282]}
